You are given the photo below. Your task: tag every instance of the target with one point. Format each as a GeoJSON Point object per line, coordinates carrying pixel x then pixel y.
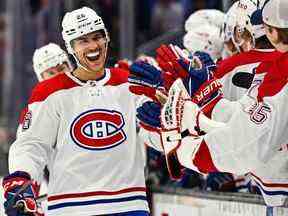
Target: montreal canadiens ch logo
{"type": "Point", "coordinates": [98, 129]}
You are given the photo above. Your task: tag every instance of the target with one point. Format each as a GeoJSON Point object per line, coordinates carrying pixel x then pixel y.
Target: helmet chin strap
{"type": "Point", "coordinates": [79, 64]}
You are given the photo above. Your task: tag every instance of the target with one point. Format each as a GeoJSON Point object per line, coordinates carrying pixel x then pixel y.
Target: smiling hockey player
{"type": "Point", "coordinates": [85, 132]}
{"type": "Point", "coordinates": [254, 139]}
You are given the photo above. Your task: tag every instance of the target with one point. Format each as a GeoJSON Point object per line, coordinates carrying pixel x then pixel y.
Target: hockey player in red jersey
{"type": "Point", "coordinates": [48, 61]}
{"type": "Point", "coordinates": [236, 73]}
{"type": "Point", "coordinates": [254, 138]}
{"type": "Point", "coordinates": [85, 131]}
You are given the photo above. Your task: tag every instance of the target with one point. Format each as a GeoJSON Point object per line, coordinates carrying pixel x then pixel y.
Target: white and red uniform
{"type": "Point", "coordinates": [86, 133]}
{"type": "Point", "coordinates": [243, 62]}
{"type": "Point", "coordinates": [255, 136]}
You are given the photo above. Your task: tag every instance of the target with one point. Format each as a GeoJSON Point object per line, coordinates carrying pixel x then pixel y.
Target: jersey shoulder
{"type": "Point", "coordinates": [253, 56]}
{"type": "Point", "coordinates": [47, 87]}
{"type": "Point", "coordinates": [118, 76]}
{"type": "Point", "coordinates": [276, 77]}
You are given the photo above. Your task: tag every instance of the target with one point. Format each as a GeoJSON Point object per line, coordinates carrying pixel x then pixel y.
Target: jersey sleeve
{"type": "Point", "coordinates": [251, 138]}
{"type": "Point", "coordinates": [224, 110]}
{"type": "Point", "coordinates": [236, 147]}
{"type": "Point", "coordinates": [30, 151]}
{"type": "Point", "coordinates": [25, 121]}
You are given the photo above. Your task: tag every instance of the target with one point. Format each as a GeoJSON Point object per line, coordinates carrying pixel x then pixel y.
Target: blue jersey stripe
{"type": "Point", "coordinates": [93, 202]}
{"type": "Point", "coordinates": [132, 213]}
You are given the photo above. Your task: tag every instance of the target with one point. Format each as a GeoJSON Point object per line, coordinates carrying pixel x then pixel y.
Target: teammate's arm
{"type": "Point", "coordinates": [238, 147]}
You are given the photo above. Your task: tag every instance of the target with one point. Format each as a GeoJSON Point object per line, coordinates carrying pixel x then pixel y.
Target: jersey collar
{"type": "Point", "coordinates": [99, 82]}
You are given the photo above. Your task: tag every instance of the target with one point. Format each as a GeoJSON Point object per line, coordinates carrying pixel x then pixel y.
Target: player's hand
{"type": "Point", "coordinates": [19, 194]}
{"type": "Point", "coordinates": [201, 84]}
{"type": "Point", "coordinates": [149, 116]}
{"type": "Point", "coordinates": [168, 59]}
{"type": "Point", "coordinates": [205, 60]}
{"type": "Point", "coordinates": [144, 74]}
{"type": "Point", "coordinates": [146, 79]}
{"type": "Point", "coordinates": [172, 128]}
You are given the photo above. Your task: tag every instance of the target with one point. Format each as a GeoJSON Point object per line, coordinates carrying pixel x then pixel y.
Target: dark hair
{"type": "Point", "coordinates": [283, 35]}
{"type": "Point", "coordinates": [263, 43]}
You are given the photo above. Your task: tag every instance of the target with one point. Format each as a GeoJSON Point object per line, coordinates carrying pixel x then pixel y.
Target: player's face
{"type": "Point", "coordinates": [244, 39]}
{"type": "Point", "coordinates": [230, 48]}
{"type": "Point", "coordinates": [90, 50]}
{"type": "Point", "coordinates": [51, 72]}
{"type": "Point", "coordinates": [272, 35]}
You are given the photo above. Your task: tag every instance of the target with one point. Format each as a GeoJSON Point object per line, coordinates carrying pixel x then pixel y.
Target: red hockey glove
{"type": "Point", "coordinates": [20, 193]}
{"type": "Point", "coordinates": [168, 56]}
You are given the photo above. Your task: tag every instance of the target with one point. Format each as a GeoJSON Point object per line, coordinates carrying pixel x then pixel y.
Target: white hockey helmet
{"type": "Point", "coordinates": [205, 38]}
{"type": "Point", "coordinates": [48, 56]}
{"type": "Point", "coordinates": [245, 10]}
{"type": "Point", "coordinates": [205, 16]}
{"type": "Point", "coordinates": [230, 22]}
{"type": "Point", "coordinates": [81, 22]}
{"type": "Point", "coordinates": [275, 13]}
{"type": "Point", "coordinates": [237, 20]}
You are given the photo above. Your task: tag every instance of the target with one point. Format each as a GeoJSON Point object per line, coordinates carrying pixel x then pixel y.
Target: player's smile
{"type": "Point", "coordinates": [91, 50]}
{"type": "Point", "coordinates": [93, 58]}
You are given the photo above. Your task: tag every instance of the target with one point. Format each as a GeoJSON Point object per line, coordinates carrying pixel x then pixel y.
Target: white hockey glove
{"type": "Point", "coordinates": [172, 129]}
{"type": "Point", "coordinates": [180, 118]}
{"type": "Point", "coordinates": [193, 119]}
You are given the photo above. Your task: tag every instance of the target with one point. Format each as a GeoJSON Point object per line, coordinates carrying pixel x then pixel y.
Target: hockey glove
{"type": "Point", "coordinates": [145, 79]}
{"type": "Point", "coordinates": [201, 85]}
{"type": "Point", "coordinates": [19, 192]}
{"type": "Point", "coordinates": [198, 76]}
{"type": "Point", "coordinates": [145, 74]}
{"type": "Point", "coordinates": [172, 128]}
{"type": "Point", "coordinates": [168, 59]}
{"type": "Point", "coordinates": [205, 60]}
{"type": "Point", "coordinates": [149, 116]}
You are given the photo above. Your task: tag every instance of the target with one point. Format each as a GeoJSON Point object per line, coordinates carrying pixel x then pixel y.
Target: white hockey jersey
{"type": "Point", "coordinates": [86, 134]}
{"type": "Point", "coordinates": [255, 136]}
{"type": "Point", "coordinates": [245, 62]}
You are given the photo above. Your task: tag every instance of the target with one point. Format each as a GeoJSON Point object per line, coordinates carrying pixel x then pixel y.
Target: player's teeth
{"type": "Point", "coordinates": [94, 54]}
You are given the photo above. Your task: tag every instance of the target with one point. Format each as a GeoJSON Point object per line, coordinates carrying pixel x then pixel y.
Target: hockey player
{"type": "Point", "coordinates": [245, 62]}
{"type": "Point", "coordinates": [84, 130]}
{"type": "Point", "coordinates": [240, 67]}
{"type": "Point", "coordinates": [254, 139]}
{"type": "Point", "coordinates": [49, 60]}
{"type": "Point", "coordinates": [204, 38]}
{"type": "Point", "coordinates": [204, 17]}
